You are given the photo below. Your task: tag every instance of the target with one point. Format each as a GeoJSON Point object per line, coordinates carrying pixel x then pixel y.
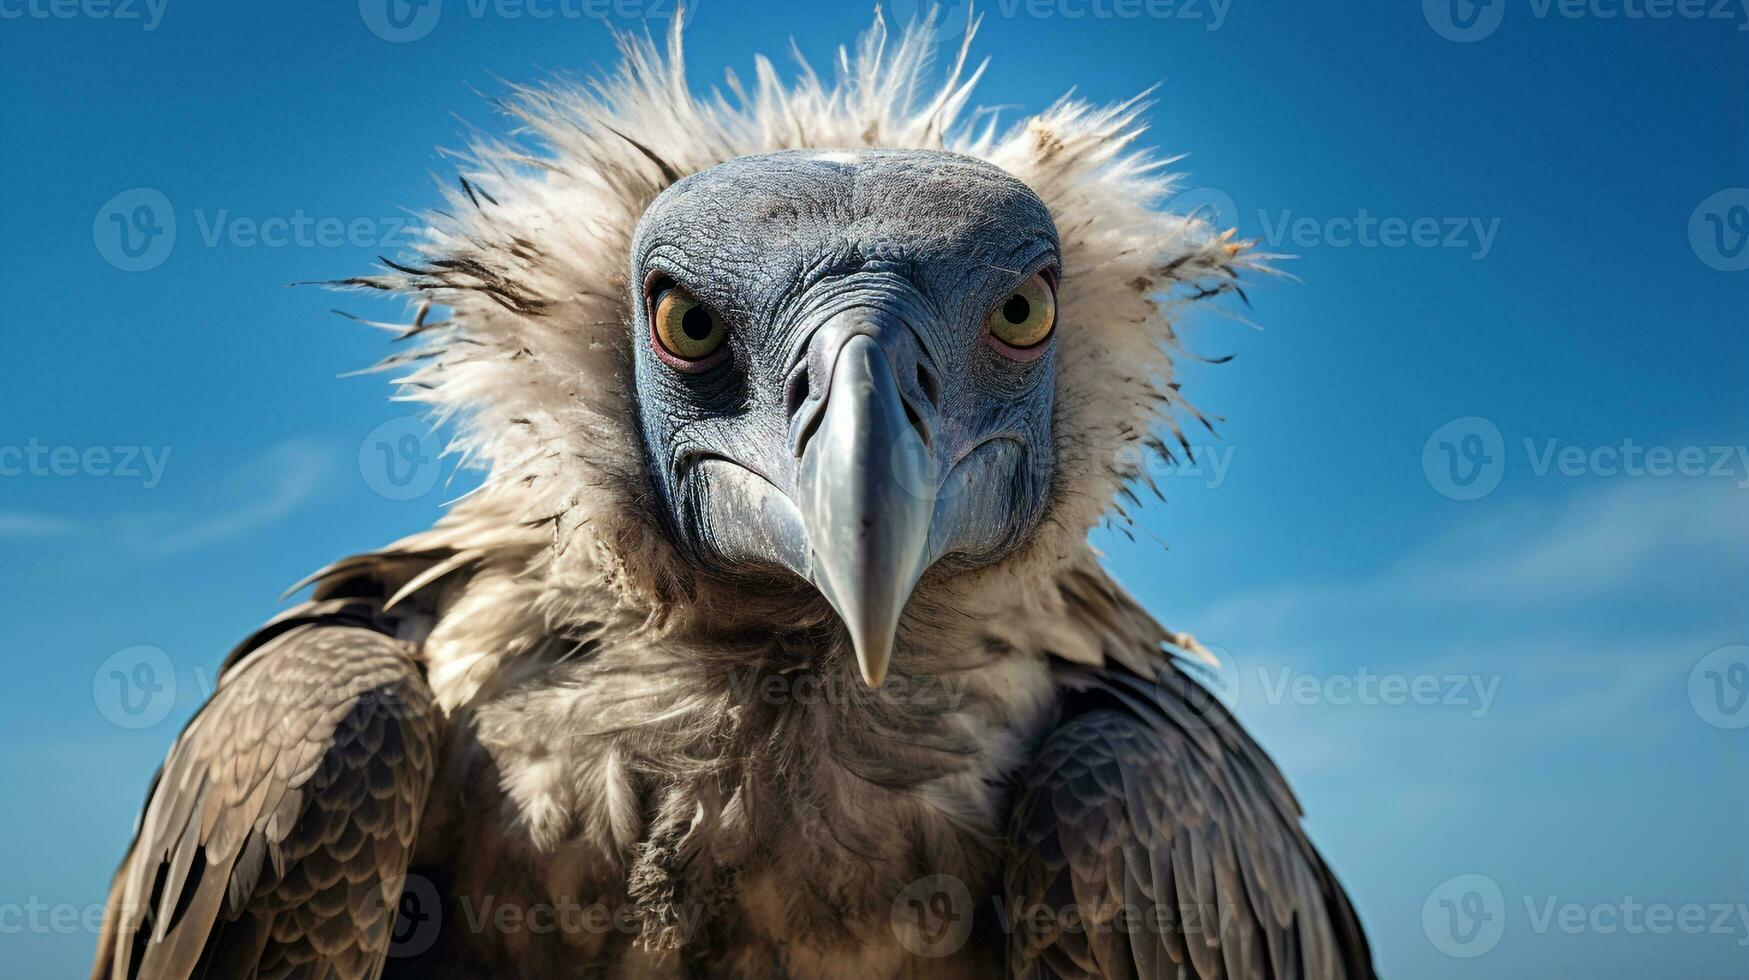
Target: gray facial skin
{"type": "Point", "coordinates": [862, 425]}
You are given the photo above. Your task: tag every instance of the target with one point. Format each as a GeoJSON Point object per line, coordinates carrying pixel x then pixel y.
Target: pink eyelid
{"type": "Point", "coordinates": [682, 364]}
{"type": "Point", "coordinates": [651, 304]}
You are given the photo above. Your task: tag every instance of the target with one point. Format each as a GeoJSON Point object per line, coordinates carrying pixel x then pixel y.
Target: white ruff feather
{"type": "Point", "coordinates": [531, 257]}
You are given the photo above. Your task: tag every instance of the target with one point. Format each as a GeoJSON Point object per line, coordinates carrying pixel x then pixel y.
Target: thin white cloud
{"type": "Point", "coordinates": [21, 524]}
{"type": "Point", "coordinates": [1551, 605]}
{"type": "Point", "coordinates": [1602, 541]}
{"type": "Point", "coordinates": [1594, 544]}
{"type": "Point", "coordinates": [267, 488]}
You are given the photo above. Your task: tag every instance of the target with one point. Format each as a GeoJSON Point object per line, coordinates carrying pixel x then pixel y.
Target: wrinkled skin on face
{"type": "Point", "coordinates": [856, 421]}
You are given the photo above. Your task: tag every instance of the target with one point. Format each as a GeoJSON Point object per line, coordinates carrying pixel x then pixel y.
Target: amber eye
{"type": "Point", "coordinates": [685, 328]}
{"type": "Point", "coordinates": [1024, 317]}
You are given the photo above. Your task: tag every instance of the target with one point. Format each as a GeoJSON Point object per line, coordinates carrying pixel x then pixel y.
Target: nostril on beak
{"type": "Point", "coordinates": [801, 406]}
{"type": "Point", "coordinates": [927, 391]}
{"type": "Point", "coordinates": [927, 385]}
{"type": "Point", "coordinates": [917, 423]}
{"type": "Point", "coordinates": [915, 380]}
{"type": "Point", "coordinates": [796, 392]}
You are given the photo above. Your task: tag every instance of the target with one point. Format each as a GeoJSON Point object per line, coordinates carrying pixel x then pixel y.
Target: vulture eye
{"type": "Point", "coordinates": [1023, 320]}
{"type": "Point", "coordinates": [687, 331]}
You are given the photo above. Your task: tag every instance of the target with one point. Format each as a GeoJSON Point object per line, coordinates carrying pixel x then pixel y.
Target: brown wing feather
{"type": "Point", "coordinates": [1152, 816]}
{"type": "Point", "coordinates": [275, 836]}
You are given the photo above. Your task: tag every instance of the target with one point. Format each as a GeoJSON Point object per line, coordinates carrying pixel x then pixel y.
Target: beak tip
{"type": "Point", "coordinates": [874, 654]}
{"type": "Point", "coordinates": [874, 676]}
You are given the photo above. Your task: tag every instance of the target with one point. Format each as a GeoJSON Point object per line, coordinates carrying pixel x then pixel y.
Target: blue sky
{"type": "Point", "coordinates": [1518, 230]}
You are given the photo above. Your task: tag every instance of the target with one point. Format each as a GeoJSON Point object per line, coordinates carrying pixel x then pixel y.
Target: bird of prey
{"type": "Point", "coordinates": [772, 643]}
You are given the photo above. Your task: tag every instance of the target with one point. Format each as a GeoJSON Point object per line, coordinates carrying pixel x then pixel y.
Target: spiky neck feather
{"type": "Point", "coordinates": [533, 364]}
{"type": "Point", "coordinates": [605, 693]}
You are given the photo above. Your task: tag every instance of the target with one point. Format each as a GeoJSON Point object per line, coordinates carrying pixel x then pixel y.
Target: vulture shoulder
{"type": "Point", "coordinates": [1151, 837]}
{"type": "Point", "coordinates": [276, 836]}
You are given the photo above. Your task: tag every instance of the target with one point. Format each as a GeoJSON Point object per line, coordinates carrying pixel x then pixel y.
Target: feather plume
{"type": "Point", "coordinates": [529, 256]}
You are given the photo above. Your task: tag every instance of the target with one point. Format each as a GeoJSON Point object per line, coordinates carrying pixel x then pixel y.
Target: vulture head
{"type": "Point", "coordinates": [845, 368]}
{"type": "Point", "coordinates": [813, 383]}
{"type": "Point", "coordinates": [823, 349]}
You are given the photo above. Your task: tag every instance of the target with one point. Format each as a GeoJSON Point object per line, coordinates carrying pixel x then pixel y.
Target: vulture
{"type": "Point", "coordinates": [772, 643]}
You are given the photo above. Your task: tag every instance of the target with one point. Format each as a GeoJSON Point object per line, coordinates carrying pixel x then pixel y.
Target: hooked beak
{"type": "Point", "coordinates": [866, 492]}
{"type": "Point", "coordinates": [874, 500]}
